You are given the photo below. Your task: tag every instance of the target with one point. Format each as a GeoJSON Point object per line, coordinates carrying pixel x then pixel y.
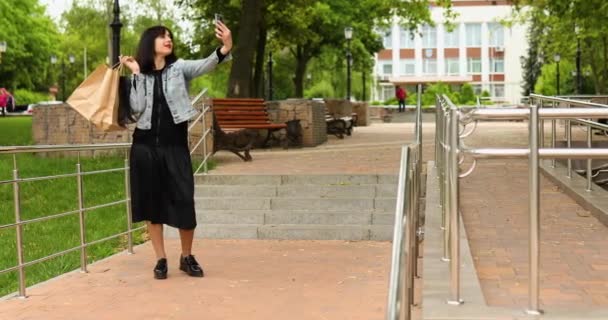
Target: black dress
{"type": "Point", "coordinates": [162, 182]}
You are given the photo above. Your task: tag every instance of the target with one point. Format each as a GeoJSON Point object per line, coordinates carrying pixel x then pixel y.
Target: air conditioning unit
{"type": "Point", "coordinates": [500, 49]}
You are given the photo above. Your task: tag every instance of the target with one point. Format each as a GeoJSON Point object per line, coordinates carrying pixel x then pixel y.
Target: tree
{"type": "Point", "coordinates": [558, 20]}
{"type": "Point", "coordinates": [304, 27]}
{"type": "Point", "coordinates": [31, 38]}
{"type": "Point", "coordinates": [531, 64]}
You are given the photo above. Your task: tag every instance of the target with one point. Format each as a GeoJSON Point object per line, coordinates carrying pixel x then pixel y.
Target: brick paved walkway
{"type": "Point", "coordinates": [494, 207]}
{"type": "Point", "coordinates": [245, 279]}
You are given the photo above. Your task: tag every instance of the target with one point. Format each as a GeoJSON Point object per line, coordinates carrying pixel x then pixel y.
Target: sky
{"type": "Point", "coordinates": [56, 7]}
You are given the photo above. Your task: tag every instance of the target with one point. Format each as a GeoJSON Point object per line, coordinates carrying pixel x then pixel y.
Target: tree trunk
{"type": "Point", "coordinates": [239, 83]}
{"type": "Point", "coordinates": [302, 59]}
{"type": "Point", "coordinates": [258, 77]}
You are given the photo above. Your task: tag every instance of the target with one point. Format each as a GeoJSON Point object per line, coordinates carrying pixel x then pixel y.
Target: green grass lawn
{"type": "Point", "coordinates": [15, 131]}
{"type": "Point", "coordinates": [45, 198]}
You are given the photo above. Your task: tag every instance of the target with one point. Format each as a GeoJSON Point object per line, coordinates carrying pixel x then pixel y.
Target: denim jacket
{"type": "Point", "coordinates": [176, 78]}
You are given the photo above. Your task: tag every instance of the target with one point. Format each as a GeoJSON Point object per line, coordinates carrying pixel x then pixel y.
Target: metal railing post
{"type": "Point", "coordinates": [19, 227]}
{"type": "Point", "coordinates": [81, 220]}
{"type": "Point", "coordinates": [204, 125]}
{"type": "Point", "coordinates": [437, 128]}
{"type": "Point", "coordinates": [398, 282]}
{"type": "Point", "coordinates": [569, 144]}
{"type": "Point", "coordinates": [128, 203]}
{"type": "Point", "coordinates": [534, 250]}
{"type": "Point", "coordinates": [589, 160]}
{"type": "Point", "coordinates": [454, 216]}
{"type": "Point", "coordinates": [447, 204]}
{"type": "Point", "coordinates": [553, 135]}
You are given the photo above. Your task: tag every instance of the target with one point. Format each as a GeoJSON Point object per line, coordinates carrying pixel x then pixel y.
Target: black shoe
{"type": "Point", "coordinates": [160, 271]}
{"type": "Point", "coordinates": [190, 266]}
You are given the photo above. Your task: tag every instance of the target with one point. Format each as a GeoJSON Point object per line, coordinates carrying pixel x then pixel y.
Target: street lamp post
{"type": "Point", "coordinates": [116, 25]}
{"type": "Point", "coordinates": [348, 34]}
{"type": "Point", "coordinates": [71, 60]}
{"type": "Point", "coordinates": [270, 88]}
{"type": "Point", "coordinates": [3, 47]}
{"type": "Point", "coordinates": [557, 58]}
{"type": "Point", "coordinates": [579, 83]}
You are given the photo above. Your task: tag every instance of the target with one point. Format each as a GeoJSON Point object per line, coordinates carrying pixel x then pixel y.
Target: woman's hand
{"type": "Point", "coordinates": [223, 34]}
{"type": "Point", "coordinates": [131, 63]}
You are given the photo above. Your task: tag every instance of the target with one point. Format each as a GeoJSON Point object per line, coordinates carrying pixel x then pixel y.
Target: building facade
{"type": "Point", "coordinates": [478, 50]}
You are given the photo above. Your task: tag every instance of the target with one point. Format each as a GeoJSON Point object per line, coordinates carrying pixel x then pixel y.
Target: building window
{"type": "Point", "coordinates": [387, 40]}
{"type": "Point", "coordinates": [452, 39]}
{"type": "Point", "coordinates": [452, 66]}
{"type": "Point", "coordinates": [474, 66]}
{"type": "Point", "coordinates": [497, 90]}
{"type": "Point", "coordinates": [476, 89]}
{"type": "Point", "coordinates": [497, 34]}
{"type": "Point", "coordinates": [497, 65]}
{"type": "Point", "coordinates": [408, 67]}
{"type": "Point", "coordinates": [429, 66]}
{"type": "Point", "coordinates": [386, 68]}
{"type": "Point", "coordinates": [407, 39]}
{"type": "Point", "coordinates": [429, 37]}
{"type": "Point", "coordinates": [388, 92]}
{"type": "Point", "coordinates": [473, 34]}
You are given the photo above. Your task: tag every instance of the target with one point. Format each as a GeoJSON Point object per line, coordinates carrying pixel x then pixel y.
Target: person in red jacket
{"type": "Point", "coordinates": [401, 95]}
{"type": "Point", "coordinates": [6, 100]}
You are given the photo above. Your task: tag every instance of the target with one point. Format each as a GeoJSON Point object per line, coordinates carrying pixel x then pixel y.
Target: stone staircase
{"type": "Point", "coordinates": [310, 207]}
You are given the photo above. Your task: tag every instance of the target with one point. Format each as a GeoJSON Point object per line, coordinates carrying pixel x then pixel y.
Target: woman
{"type": "Point", "coordinates": [162, 183]}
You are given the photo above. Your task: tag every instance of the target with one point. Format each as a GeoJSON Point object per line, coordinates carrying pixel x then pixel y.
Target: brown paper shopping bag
{"type": "Point", "coordinates": [96, 98]}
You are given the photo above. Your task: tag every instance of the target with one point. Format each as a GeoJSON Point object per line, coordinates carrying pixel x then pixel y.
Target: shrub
{"type": "Point", "coordinates": [321, 89]}
{"type": "Point", "coordinates": [467, 95]}
{"type": "Point", "coordinates": [23, 97]}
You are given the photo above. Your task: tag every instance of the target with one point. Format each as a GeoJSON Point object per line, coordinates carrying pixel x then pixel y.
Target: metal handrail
{"type": "Point", "coordinates": [202, 119]}
{"type": "Point", "coordinates": [405, 245]}
{"type": "Point", "coordinates": [448, 148]}
{"type": "Point", "coordinates": [17, 180]}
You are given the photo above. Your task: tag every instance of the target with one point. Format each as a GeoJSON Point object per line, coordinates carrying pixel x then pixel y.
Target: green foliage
{"type": "Point", "coordinates": [321, 88]}
{"type": "Point", "coordinates": [31, 38]}
{"type": "Point", "coordinates": [557, 21]}
{"type": "Point", "coordinates": [547, 82]}
{"type": "Point", "coordinates": [430, 94]}
{"type": "Point", "coordinates": [467, 94]}
{"type": "Point", "coordinates": [23, 96]}
{"type": "Point", "coordinates": [485, 94]}
{"type": "Point", "coordinates": [412, 99]}
{"type": "Point", "coordinates": [391, 101]}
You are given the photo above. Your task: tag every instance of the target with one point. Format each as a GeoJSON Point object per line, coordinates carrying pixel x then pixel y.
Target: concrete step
{"type": "Point", "coordinates": [386, 205]}
{"type": "Point", "coordinates": [261, 217]}
{"type": "Point", "coordinates": [308, 232]}
{"type": "Point", "coordinates": [294, 179]}
{"type": "Point", "coordinates": [290, 232]}
{"type": "Point", "coordinates": [297, 191]}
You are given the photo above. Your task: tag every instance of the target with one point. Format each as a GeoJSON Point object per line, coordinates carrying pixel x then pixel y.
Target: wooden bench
{"type": "Point", "coordinates": [339, 126]}
{"type": "Point", "coordinates": [236, 123]}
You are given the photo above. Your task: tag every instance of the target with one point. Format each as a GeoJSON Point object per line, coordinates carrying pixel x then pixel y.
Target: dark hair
{"type": "Point", "coordinates": [145, 58]}
{"type": "Point", "coordinates": [145, 50]}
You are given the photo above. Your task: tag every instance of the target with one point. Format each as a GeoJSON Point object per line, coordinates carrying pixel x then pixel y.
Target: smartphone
{"type": "Point", "coordinates": [218, 17]}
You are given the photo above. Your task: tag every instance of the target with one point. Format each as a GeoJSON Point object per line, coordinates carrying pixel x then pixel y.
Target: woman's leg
{"type": "Point", "coordinates": [186, 236]}
{"type": "Point", "coordinates": [158, 242]}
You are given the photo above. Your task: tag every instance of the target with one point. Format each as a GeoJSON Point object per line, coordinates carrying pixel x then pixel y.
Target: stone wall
{"type": "Point", "coordinates": [311, 113]}
{"type": "Point", "coordinates": [362, 111]}
{"type": "Point", "coordinates": [60, 124]}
